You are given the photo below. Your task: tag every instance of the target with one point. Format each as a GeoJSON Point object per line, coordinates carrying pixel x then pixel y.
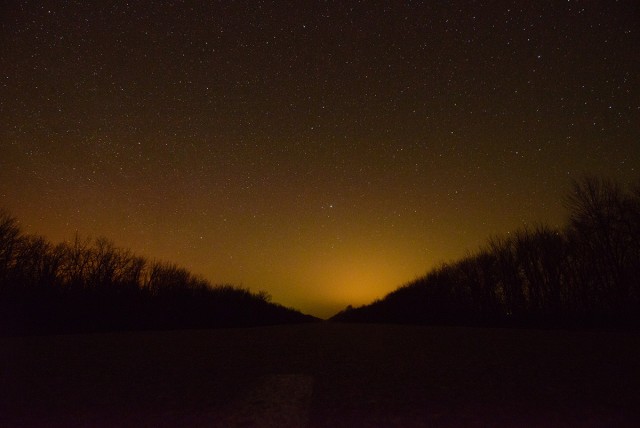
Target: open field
{"type": "Point", "coordinates": [323, 375]}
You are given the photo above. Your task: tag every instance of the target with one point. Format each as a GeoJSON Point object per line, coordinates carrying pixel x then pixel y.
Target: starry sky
{"type": "Point", "coordinates": [326, 152]}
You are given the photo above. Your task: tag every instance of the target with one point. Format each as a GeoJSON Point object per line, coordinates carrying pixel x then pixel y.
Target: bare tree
{"type": "Point", "coordinates": [10, 235]}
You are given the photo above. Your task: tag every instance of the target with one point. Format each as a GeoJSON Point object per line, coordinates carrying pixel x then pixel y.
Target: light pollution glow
{"type": "Point", "coordinates": [326, 155]}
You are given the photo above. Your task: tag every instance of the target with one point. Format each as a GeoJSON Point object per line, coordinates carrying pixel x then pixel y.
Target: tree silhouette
{"type": "Point", "coordinates": [585, 274]}
{"type": "Point", "coordinates": [92, 285]}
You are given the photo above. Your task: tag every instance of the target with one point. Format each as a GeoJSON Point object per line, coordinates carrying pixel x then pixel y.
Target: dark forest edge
{"type": "Point", "coordinates": [584, 275]}
{"type": "Point", "coordinates": [91, 285]}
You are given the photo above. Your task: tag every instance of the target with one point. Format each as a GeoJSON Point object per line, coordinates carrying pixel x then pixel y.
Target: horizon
{"type": "Point", "coordinates": [327, 154]}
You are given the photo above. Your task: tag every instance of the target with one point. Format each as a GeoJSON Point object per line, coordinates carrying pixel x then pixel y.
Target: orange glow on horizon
{"type": "Point", "coordinates": [327, 156]}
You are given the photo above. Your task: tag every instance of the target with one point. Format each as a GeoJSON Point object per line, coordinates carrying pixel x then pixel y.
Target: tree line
{"type": "Point", "coordinates": [91, 285]}
{"type": "Point", "coordinates": [585, 274]}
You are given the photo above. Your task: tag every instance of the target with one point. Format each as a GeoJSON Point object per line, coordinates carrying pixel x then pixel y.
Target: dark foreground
{"type": "Point", "coordinates": [323, 375]}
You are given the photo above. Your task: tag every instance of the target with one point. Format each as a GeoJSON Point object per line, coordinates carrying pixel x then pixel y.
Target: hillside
{"type": "Point", "coordinates": [584, 275]}
{"type": "Point", "coordinates": [91, 285]}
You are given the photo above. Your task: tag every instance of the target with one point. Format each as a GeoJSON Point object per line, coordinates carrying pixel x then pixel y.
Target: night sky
{"type": "Point", "coordinates": [326, 152]}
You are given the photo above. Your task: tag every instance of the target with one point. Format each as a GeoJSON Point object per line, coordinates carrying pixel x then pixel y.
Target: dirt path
{"type": "Point", "coordinates": [323, 375]}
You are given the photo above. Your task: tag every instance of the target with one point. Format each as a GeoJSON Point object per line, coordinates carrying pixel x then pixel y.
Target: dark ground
{"type": "Point", "coordinates": [361, 375]}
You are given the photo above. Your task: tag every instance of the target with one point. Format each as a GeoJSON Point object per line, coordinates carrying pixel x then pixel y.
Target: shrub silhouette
{"type": "Point", "coordinates": [91, 285]}
{"type": "Point", "coordinates": [585, 274]}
